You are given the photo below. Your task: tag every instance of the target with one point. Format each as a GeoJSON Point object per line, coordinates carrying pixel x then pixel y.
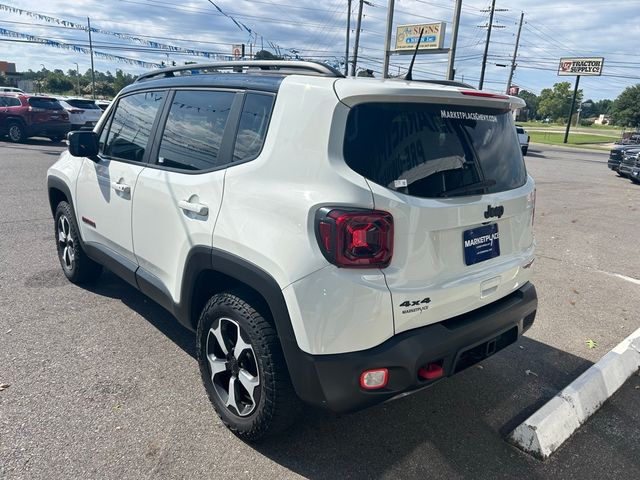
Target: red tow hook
{"type": "Point", "coordinates": [431, 371]}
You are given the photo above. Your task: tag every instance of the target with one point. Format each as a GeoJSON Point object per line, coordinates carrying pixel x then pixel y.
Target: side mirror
{"type": "Point", "coordinates": [83, 144]}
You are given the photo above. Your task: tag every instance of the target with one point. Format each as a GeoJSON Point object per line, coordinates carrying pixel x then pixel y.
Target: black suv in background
{"type": "Point", "coordinates": [616, 155]}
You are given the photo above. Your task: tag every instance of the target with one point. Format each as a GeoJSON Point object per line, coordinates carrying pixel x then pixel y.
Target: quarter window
{"type": "Point", "coordinates": [131, 125]}
{"type": "Point", "coordinates": [253, 126]}
{"type": "Point", "coordinates": [195, 126]}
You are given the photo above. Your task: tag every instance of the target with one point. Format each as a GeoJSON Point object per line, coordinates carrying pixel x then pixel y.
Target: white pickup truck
{"type": "Point", "coordinates": [523, 138]}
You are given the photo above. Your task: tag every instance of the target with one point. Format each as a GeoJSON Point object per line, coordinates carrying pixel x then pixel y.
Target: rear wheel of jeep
{"type": "Point", "coordinates": [16, 132]}
{"type": "Point", "coordinates": [77, 267]}
{"type": "Point", "coordinates": [243, 368]}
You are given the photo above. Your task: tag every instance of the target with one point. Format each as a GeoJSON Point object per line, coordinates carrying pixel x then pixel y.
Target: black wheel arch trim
{"type": "Point", "coordinates": [303, 375]}
{"type": "Point", "coordinates": [56, 183]}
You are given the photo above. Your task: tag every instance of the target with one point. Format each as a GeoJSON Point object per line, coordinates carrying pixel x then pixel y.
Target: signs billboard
{"type": "Point", "coordinates": [237, 51]}
{"type": "Point", "coordinates": [432, 36]}
{"type": "Point", "coordinates": [583, 66]}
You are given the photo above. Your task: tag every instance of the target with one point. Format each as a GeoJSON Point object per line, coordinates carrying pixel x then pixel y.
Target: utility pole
{"type": "Point", "coordinates": [515, 53]}
{"type": "Point", "coordinates": [387, 40]}
{"type": "Point", "coordinates": [451, 72]}
{"type": "Point", "coordinates": [93, 73]}
{"type": "Point", "coordinates": [346, 50]}
{"type": "Point", "coordinates": [486, 45]}
{"type": "Point", "coordinates": [355, 49]}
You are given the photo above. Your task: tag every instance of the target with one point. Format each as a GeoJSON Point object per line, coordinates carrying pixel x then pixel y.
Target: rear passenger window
{"type": "Point", "coordinates": [194, 129]}
{"type": "Point", "coordinates": [131, 125]}
{"type": "Point", "coordinates": [253, 126]}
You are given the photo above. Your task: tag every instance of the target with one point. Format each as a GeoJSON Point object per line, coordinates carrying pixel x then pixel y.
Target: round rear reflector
{"type": "Point", "coordinates": [374, 379]}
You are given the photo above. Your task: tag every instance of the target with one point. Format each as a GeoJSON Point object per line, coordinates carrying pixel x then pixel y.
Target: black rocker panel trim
{"type": "Point", "coordinates": [113, 261]}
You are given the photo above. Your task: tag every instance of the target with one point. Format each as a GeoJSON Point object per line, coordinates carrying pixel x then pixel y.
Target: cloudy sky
{"type": "Point", "coordinates": [316, 29]}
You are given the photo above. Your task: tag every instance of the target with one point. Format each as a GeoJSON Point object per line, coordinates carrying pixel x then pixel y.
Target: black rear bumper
{"type": "Point", "coordinates": [332, 381]}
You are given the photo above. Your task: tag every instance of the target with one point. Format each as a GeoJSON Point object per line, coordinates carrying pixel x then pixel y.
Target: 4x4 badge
{"type": "Point", "coordinates": [494, 211]}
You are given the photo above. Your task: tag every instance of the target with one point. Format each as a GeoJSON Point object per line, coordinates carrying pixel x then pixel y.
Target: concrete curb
{"type": "Point", "coordinates": [544, 431]}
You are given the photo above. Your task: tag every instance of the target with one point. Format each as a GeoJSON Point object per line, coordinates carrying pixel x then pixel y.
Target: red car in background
{"type": "Point", "coordinates": [23, 115]}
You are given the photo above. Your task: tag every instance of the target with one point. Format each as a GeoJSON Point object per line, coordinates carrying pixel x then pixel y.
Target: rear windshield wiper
{"type": "Point", "coordinates": [468, 188]}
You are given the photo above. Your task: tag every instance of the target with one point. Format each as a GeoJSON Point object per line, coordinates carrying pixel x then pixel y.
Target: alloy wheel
{"type": "Point", "coordinates": [233, 367]}
{"type": "Point", "coordinates": [66, 244]}
{"type": "Point", "coordinates": [15, 134]}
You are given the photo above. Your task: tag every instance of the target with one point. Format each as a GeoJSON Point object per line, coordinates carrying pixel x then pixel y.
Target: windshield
{"type": "Point", "coordinates": [429, 150]}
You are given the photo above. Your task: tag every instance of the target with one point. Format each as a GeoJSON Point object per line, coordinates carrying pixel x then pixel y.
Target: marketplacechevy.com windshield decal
{"type": "Point", "coordinates": [481, 117]}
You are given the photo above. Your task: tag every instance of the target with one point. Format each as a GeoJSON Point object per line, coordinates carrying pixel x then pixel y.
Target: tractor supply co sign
{"type": "Point", "coordinates": [581, 66]}
{"type": "Point", "coordinates": [407, 36]}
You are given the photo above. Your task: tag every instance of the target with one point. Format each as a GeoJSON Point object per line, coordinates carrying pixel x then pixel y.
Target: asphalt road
{"type": "Point", "coordinates": [103, 383]}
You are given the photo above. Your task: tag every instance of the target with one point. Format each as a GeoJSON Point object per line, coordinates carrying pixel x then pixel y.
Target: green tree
{"type": "Point", "coordinates": [555, 102]}
{"type": "Point", "coordinates": [603, 106]}
{"type": "Point", "coordinates": [626, 108]}
{"type": "Point", "coordinates": [532, 102]}
{"type": "Point", "coordinates": [56, 83]}
{"type": "Point", "coordinates": [266, 55]}
{"type": "Point", "coordinates": [4, 81]}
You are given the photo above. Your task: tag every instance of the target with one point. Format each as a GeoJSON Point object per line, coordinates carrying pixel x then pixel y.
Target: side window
{"type": "Point", "coordinates": [131, 124]}
{"type": "Point", "coordinates": [13, 102]}
{"type": "Point", "coordinates": [194, 129]}
{"type": "Point", "coordinates": [253, 126]}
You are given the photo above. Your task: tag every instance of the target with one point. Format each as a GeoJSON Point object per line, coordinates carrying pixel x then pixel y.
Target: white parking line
{"type": "Point", "coordinates": [548, 428]}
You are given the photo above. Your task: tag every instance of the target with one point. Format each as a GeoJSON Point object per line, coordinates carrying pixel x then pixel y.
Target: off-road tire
{"type": "Point", "coordinates": [81, 269]}
{"type": "Point", "coordinates": [278, 405]}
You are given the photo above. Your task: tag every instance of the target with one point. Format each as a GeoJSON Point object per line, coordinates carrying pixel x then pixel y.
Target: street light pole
{"type": "Point", "coordinates": [77, 78]}
{"type": "Point", "coordinates": [42, 78]}
{"type": "Point", "coordinates": [93, 74]}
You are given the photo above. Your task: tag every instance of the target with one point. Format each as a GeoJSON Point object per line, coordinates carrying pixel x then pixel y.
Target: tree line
{"type": "Point", "coordinates": [72, 83]}
{"type": "Point", "coordinates": [554, 104]}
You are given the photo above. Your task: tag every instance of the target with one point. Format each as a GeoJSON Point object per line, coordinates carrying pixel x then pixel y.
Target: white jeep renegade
{"type": "Point", "coordinates": [334, 240]}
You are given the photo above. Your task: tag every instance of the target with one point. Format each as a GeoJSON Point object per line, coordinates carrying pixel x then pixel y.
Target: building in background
{"type": "Point", "coordinates": [8, 69]}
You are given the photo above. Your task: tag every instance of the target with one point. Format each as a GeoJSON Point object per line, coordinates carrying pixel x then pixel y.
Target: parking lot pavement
{"type": "Point", "coordinates": [103, 383]}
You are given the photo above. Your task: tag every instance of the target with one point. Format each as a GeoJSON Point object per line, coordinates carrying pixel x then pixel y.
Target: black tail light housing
{"type": "Point", "coordinates": [355, 238]}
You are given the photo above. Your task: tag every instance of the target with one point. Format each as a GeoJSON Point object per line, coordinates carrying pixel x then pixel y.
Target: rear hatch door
{"type": "Point", "coordinates": [454, 179]}
{"type": "Point", "coordinates": [45, 110]}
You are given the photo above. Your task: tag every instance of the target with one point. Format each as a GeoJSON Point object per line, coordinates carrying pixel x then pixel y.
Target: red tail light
{"type": "Point", "coordinates": [75, 110]}
{"type": "Point", "coordinates": [355, 238]}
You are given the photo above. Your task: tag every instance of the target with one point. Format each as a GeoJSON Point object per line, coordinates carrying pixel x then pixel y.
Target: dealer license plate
{"type": "Point", "coordinates": [480, 244]}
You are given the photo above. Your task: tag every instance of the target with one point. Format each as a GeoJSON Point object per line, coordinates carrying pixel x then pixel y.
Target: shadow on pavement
{"type": "Point", "coordinates": [535, 154]}
{"type": "Point", "coordinates": [109, 285]}
{"type": "Point", "coordinates": [455, 429]}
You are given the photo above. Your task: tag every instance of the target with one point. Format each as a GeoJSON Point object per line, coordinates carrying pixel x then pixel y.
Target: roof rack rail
{"type": "Point", "coordinates": [287, 67]}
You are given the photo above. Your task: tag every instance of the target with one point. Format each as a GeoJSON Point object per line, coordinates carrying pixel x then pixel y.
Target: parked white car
{"type": "Point", "coordinates": [82, 112]}
{"type": "Point", "coordinates": [11, 90]}
{"type": "Point", "coordinates": [335, 240]}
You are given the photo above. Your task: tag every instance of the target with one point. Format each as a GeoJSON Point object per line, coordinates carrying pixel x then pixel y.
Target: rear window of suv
{"type": "Point", "coordinates": [85, 104]}
{"type": "Point", "coordinates": [46, 103]}
{"type": "Point", "coordinates": [432, 150]}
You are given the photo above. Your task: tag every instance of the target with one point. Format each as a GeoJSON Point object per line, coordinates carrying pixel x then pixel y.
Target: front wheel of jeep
{"type": "Point", "coordinates": [243, 368]}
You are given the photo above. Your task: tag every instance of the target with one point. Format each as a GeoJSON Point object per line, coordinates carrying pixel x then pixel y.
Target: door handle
{"type": "Point", "coordinates": [197, 208]}
{"type": "Point", "coordinates": [121, 187]}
